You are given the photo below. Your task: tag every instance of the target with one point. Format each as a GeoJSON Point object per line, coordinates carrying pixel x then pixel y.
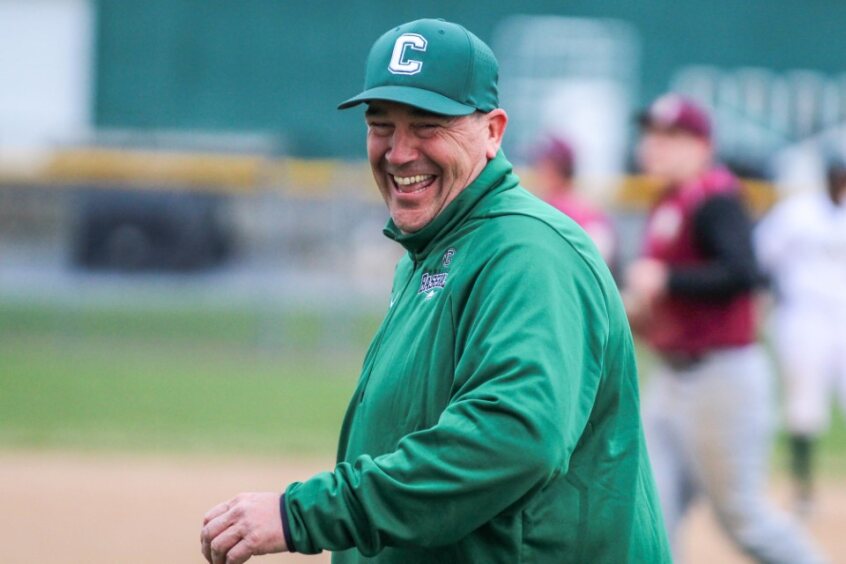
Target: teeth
{"type": "Point", "coordinates": [409, 180]}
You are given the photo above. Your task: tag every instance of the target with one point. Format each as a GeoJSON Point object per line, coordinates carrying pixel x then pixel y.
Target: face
{"type": "Point", "coordinates": [672, 155]}
{"type": "Point", "coordinates": [837, 187]}
{"type": "Point", "coordinates": [422, 161]}
{"type": "Point", "coordinates": [550, 178]}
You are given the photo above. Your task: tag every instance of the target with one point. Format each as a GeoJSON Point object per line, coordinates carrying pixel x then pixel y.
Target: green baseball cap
{"type": "Point", "coordinates": [434, 65]}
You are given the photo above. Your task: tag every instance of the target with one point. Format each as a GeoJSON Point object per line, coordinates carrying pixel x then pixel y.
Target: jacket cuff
{"type": "Point", "coordinates": [286, 529]}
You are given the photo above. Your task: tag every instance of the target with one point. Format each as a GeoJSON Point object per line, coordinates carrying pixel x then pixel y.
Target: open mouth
{"type": "Point", "coordinates": [412, 184]}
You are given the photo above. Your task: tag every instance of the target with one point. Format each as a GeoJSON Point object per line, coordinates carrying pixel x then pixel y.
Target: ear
{"type": "Point", "coordinates": [496, 121]}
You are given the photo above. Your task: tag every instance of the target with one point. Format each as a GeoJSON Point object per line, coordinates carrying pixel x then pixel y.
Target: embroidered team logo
{"type": "Point", "coordinates": [432, 282]}
{"type": "Point", "coordinates": [447, 260]}
{"type": "Point", "coordinates": [401, 62]}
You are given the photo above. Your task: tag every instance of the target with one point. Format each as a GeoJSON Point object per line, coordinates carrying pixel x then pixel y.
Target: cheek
{"type": "Point", "coordinates": [547, 175]}
{"type": "Point", "coordinates": [696, 154]}
{"type": "Point", "coordinates": [458, 151]}
{"type": "Point", "coordinates": [461, 159]}
{"type": "Point", "coordinates": [647, 156]}
{"type": "Point", "coordinates": [664, 157]}
{"type": "Point", "coordinates": [376, 148]}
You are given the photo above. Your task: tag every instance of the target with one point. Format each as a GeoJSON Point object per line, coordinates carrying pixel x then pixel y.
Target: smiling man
{"type": "Point", "coordinates": [421, 160]}
{"type": "Point", "coordinates": [496, 415]}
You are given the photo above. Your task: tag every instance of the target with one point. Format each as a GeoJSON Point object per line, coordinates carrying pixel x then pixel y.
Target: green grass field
{"type": "Point", "coordinates": [174, 380]}
{"type": "Point", "coordinates": [202, 381]}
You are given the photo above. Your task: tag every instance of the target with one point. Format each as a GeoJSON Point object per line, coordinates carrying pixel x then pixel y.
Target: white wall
{"type": "Point", "coordinates": [46, 61]}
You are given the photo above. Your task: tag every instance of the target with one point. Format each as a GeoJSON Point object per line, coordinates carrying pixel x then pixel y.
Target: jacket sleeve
{"type": "Point", "coordinates": [529, 338]}
{"type": "Point", "coordinates": [723, 232]}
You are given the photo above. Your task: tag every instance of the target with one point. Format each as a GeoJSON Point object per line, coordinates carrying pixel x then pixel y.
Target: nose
{"type": "Point", "coordinates": [403, 147]}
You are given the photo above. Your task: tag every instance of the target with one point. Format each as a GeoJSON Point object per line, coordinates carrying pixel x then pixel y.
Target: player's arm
{"type": "Point", "coordinates": [771, 238]}
{"type": "Point", "coordinates": [523, 387]}
{"type": "Point", "coordinates": [723, 231]}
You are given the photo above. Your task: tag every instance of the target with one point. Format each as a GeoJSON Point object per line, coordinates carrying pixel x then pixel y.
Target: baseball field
{"type": "Point", "coordinates": [120, 427]}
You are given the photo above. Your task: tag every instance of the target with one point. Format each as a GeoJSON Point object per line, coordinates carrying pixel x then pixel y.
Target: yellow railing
{"type": "Point", "coordinates": [246, 174]}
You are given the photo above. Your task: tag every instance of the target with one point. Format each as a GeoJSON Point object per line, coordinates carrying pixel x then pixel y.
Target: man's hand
{"type": "Point", "coordinates": [638, 312]}
{"type": "Point", "coordinates": [646, 279]}
{"type": "Point", "coordinates": [247, 525]}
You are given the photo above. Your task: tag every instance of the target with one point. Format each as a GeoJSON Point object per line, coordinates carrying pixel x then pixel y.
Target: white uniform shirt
{"type": "Point", "coordinates": [801, 244]}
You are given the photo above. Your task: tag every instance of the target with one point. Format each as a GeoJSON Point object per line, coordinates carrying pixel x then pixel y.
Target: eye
{"type": "Point", "coordinates": [379, 127]}
{"type": "Point", "coordinates": [427, 128]}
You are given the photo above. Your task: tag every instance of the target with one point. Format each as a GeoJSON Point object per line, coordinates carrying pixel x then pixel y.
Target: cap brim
{"type": "Point", "coordinates": [649, 123]}
{"type": "Point", "coordinates": [417, 97]}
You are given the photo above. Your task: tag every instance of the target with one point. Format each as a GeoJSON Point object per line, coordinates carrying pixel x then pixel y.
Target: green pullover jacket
{"type": "Point", "coordinates": [496, 419]}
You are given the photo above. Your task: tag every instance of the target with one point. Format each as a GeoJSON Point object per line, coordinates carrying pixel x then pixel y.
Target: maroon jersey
{"type": "Point", "coordinates": [591, 219]}
{"type": "Point", "coordinates": [687, 323]}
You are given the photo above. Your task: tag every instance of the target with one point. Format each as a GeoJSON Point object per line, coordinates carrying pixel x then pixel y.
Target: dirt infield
{"type": "Point", "coordinates": [98, 508]}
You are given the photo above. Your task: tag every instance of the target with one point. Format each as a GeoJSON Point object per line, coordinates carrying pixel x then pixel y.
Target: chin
{"type": "Point", "coordinates": [409, 224]}
{"type": "Point", "coordinates": [408, 227]}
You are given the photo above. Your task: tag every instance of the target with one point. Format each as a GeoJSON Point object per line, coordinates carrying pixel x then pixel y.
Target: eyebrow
{"type": "Point", "coordinates": [417, 112]}
{"type": "Point", "coordinates": [377, 111]}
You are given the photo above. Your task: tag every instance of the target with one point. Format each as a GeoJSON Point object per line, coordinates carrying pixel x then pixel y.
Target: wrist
{"type": "Point", "coordinates": [286, 528]}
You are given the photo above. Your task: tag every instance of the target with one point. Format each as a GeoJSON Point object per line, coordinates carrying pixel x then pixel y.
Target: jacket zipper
{"type": "Point", "coordinates": [384, 330]}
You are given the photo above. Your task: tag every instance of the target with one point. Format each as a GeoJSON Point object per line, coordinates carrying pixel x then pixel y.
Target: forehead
{"type": "Point", "coordinates": [670, 134]}
{"type": "Point", "coordinates": [394, 109]}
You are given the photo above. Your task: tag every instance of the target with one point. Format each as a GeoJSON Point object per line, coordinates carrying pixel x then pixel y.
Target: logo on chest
{"type": "Point", "coordinates": [431, 282]}
{"type": "Point", "coordinates": [447, 258]}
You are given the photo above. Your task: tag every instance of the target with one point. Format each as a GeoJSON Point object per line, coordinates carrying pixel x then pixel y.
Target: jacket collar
{"type": "Point", "coordinates": [496, 175]}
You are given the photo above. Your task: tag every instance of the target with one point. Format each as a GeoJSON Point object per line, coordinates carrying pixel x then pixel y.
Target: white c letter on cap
{"type": "Point", "coordinates": [399, 64]}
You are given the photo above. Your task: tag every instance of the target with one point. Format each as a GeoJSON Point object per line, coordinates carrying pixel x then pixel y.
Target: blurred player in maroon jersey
{"type": "Point", "coordinates": [555, 169]}
{"type": "Point", "coordinates": [709, 408]}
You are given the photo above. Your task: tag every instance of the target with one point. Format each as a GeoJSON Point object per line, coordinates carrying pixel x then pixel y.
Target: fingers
{"type": "Point", "coordinates": [205, 549]}
{"type": "Point", "coordinates": [239, 553]}
{"type": "Point", "coordinates": [215, 521]}
{"type": "Point", "coordinates": [205, 546]}
{"type": "Point", "coordinates": [222, 544]}
{"type": "Point", "coordinates": [249, 521]}
{"type": "Point", "coordinates": [216, 511]}
{"type": "Point", "coordinates": [646, 278]}
{"type": "Point", "coordinates": [219, 524]}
